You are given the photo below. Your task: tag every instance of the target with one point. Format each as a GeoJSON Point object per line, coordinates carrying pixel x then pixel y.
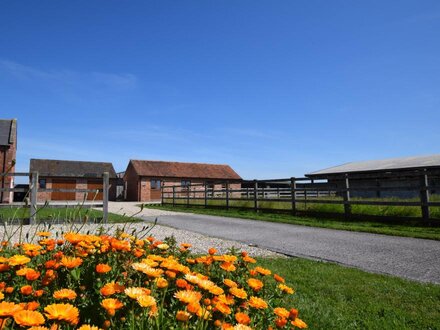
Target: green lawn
{"type": "Point", "coordinates": [330, 296]}
{"type": "Point", "coordinates": [60, 214]}
{"type": "Point", "coordinates": [408, 228]}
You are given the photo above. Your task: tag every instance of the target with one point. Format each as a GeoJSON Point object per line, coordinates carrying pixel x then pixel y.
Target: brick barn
{"type": "Point", "coordinates": [8, 150]}
{"type": "Point", "coordinates": [66, 174]}
{"type": "Point", "coordinates": [144, 178]}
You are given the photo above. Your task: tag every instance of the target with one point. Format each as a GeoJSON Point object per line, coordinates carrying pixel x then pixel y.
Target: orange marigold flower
{"type": "Point", "coordinates": [281, 312]}
{"type": "Point", "coordinates": [38, 328]}
{"type": "Point", "coordinates": [111, 305]}
{"type": "Point", "coordinates": [286, 289]}
{"type": "Point", "coordinates": [188, 297]}
{"type": "Point", "coordinates": [237, 292]}
{"type": "Point", "coordinates": [228, 266]}
{"type": "Point", "coordinates": [26, 290]}
{"type": "Point", "coordinates": [135, 292]}
{"type": "Point", "coordinates": [242, 318]}
{"type": "Point", "coordinates": [112, 288]}
{"type": "Point", "coordinates": [293, 314]}
{"type": "Point", "coordinates": [170, 274]}
{"type": "Point", "coordinates": [255, 284]}
{"type": "Point", "coordinates": [62, 312]}
{"type": "Point", "coordinates": [278, 278]}
{"type": "Point", "coordinates": [212, 251]}
{"type": "Point", "coordinates": [4, 267]}
{"type": "Point", "coordinates": [9, 308]}
{"type": "Point", "coordinates": [186, 245]}
{"type": "Point", "coordinates": [241, 327]}
{"type": "Point", "coordinates": [299, 323]}
{"type": "Point", "coordinates": [182, 316]}
{"type": "Point", "coordinates": [33, 305]}
{"type": "Point", "coordinates": [27, 318]}
{"type": "Point", "coordinates": [223, 308]}
{"type": "Point", "coordinates": [161, 282]}
{"type": "Point", "coordinates": [146, 301]}
{"type": "Point", "coordinates": [32, 275]}
{"type": "Point", "coordinates": [280, 322]}
{"type": "Point", "coordinates": [262, 271]}
{"type": "Point", "coordinates": [147, 270]}
{"type": "Point", "coordinates": [229, 283]}
{"type": "Point", "coordinates": [103, 268]}
{"type": "Point", "coordinates": [38, 293]}
{"type": "Point", "coordinates": [71, 262]}
{"type": "Point", "coordinates": [181, 283]}
{"type": "Point", "coordinates": [44, 233]}
{"type": "Point", "coordinates": [256, 302]}
{"type": "Point", "coordinates": [88, 327]}
{"type": "Point", "coordinates": [65, 294]}
{"type": "Point", "coordinates": [18, 260]}
{"type": "Point", "coordinates": [249, 260]}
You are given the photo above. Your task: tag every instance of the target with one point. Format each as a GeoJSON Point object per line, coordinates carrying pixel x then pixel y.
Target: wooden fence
{"type": "Point", "coordinates": [289, 193]}
{"type": "Point", "coordinates": [34, 189]}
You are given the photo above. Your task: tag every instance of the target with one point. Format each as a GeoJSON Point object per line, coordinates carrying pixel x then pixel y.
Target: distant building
{"type": "Point", "coordinates": [8, 150]}
{"type": "Point", "coordinates": [386, 173]}
{"type": "Point", "coordinates": [67, 174]}
{"type": "Point", "coordinates": [143, 178]}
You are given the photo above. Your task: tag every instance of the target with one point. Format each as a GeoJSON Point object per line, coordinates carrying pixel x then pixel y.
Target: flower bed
{"type": "Point", "coordinates": [127, 282]}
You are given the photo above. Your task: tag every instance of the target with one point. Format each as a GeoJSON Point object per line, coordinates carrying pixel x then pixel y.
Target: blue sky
{"type": "Point", "coordinates": [273, 88]}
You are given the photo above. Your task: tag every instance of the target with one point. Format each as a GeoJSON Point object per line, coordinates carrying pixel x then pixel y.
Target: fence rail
{"type": "Point", "coordinates": [290, 193]}
{"type": "Point", "coordinates": [34, 189]}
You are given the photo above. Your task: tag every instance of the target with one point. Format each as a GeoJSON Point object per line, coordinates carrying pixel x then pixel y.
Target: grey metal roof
{"type": "Point", "coordinates": [382, 165]}
{"type": "Point", "coordinates": [7, 132]}
{"type": "Point", "coordinates": [70, 168]}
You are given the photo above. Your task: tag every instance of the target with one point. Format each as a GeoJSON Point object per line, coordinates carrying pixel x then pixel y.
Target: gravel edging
{"type": "Point", "coordinates": [200, 243]}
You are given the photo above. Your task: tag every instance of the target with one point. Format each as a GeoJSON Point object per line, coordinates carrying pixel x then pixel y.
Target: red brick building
{"type": "Point", "coordinates": [144, 178]}
{"type": "Point", "coordinates": [66, 174]}
{"type": "Point", "coordinates": [8, 150]}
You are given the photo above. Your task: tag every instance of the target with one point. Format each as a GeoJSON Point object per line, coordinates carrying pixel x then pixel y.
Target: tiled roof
{"type": "Point", "coordinates": [183, 170]}
{"type": "Point", "coordinates": [7, 131]}
{"type": "Point", "coordinates": [382, 165]}
{"type": "Point", "coordinates": [69, 168]}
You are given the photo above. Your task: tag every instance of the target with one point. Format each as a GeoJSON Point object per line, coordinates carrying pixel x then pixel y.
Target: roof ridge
{"type": "Point", "coordinates": [178, 162]}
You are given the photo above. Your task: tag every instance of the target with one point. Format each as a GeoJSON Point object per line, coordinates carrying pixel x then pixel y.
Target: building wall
{"type": "Point", "coordinates": [7, 157]}
{"type": "Point", "coordinates": [81, 183]}
{"type": "Point", "coordinates": [131, 181]}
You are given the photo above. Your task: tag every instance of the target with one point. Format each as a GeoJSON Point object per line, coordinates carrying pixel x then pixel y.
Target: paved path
{"type": "Point", "coordinates": [411, 258]}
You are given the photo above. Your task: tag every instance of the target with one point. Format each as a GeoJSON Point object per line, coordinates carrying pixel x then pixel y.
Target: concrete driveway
{"type": "Point", "coordinates": [416, 259]}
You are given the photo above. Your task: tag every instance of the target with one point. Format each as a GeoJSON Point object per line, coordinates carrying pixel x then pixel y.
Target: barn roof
{"type": "Point", "coordinates": [391, 164]}
{"type": "Point", "coordinates": [8, 131]}
{"type": "Point", "coordinates": [70, 168]}
{"type": "Point", "coordinates": [153, 168]}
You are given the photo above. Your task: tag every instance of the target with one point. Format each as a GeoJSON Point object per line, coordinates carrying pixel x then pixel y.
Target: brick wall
{"type": "Point", "coordinates": [7, 156]}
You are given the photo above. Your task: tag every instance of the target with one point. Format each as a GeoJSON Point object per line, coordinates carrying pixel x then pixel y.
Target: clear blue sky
{"type": "Point", "coordinates": [273, 88]}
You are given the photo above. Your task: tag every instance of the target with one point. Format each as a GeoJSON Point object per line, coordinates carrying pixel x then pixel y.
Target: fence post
{"type": "Point", "coordinates": [162, 187]}
{"type": "Point", "coordinates": [106, 188]}
{"type": "Point", "coordinates": [174, 196]}
{"type": "Point", "coordinates": [34, 192]}
{"type": "Point", "coordinates": [188, 190]}
{"type": "Point", "coordinates": [293, 194]}
{"type": "Point", "coordinates": [255, 195]}
{"type": "Point", "coordinates": [227, 195]}
{"type": "Point", "coordinates": [206, 195]}
{"type": "Point", "coordinates": [347, 205]}
{"type": "Point", "coordinates": [424, 195]}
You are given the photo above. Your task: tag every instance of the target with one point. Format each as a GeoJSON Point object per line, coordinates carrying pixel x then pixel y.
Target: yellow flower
{"type": "Point", "coordinates": [286, 289]}
{"type": "Point", "coordinates": [146, 301]}
{"type": "Point", "coordinates": [18, 260]}
{"type": "Point", "coordinates": [188, 296]}
{"type": "Point", "coordinates": [299, 323]}
{"type": "Point", "coordinates": [281, 312]}
{"type": "Point", "coordinates": [262, 271]}
{"type": "Point", "coordinates": [8, 308]}
{"type": "Point", "coordinates": [182, 316]}
{"type": "Point", "coordinates": [88, 327]}
{"type": "Point", "coordinates": [111, 305]}
{"type": "Point", "coordinates": [27, 318]}
{"type": "Point", "coordinates": [161, 282]}
{"type": "Point", "coordinates": [229, 283]}
{"type": "Point", "coordinates": [147, 270]}
{"type": "Point", "coordinates": [255, 284]}
{"type": "Point", "coordinates": [135, 292]}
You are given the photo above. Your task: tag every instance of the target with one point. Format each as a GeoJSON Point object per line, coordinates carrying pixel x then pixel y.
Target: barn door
{"type": "Point", "coordinates": [63, 184]}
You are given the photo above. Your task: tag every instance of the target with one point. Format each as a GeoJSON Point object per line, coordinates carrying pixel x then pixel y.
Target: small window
{"type": "Point", "coordinates": [186, 184]}
{"type": "Point", "coordinates": [155, 184]}
{"type": "Point", "coordinates": [42, 183]}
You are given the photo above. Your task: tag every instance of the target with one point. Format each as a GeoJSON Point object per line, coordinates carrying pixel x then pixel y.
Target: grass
{"type": "Point", "coordinates": [376, 210]}
{"type": "Point", "coordinates": [416, 229]}
{"type": "Point", "coordinates": [60, 214]}
{"type": "Point", "coordinates": [330, 296]}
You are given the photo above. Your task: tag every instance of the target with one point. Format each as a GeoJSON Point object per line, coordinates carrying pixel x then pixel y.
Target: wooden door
{"type": "Point", "coordinates": [96, 185]}
{"type": "Point", "coordinates": [63, 184]}
{"type": "Point", "coordinates": [155, 193]}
